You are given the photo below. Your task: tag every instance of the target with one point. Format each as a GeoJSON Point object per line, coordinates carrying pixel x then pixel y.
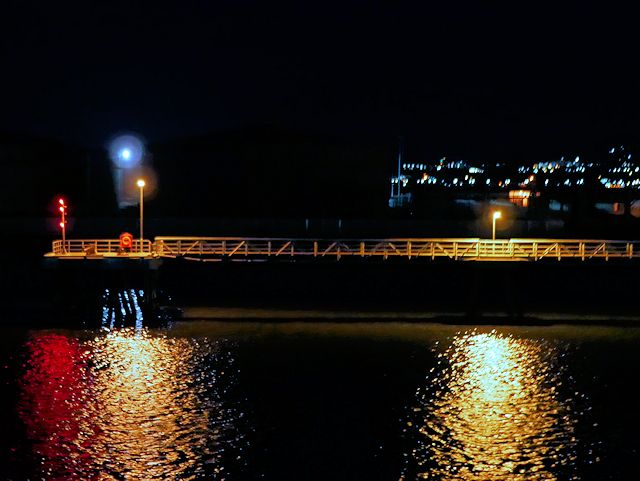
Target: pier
{"type": "Point", "coordinates": [215, 249]}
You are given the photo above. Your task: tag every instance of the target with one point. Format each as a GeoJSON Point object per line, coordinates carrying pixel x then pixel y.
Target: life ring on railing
{"type": "Point", "coordinates": [126, 240]}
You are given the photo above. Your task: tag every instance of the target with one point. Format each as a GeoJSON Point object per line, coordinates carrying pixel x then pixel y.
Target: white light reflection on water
{"type": "Point", "coordinates": [494, 411]}
{"type": "Point", "coordinates": [125, 405]}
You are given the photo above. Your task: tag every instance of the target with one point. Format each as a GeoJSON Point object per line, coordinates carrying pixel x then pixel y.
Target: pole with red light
{"type": "Point", "coordinates": [63, 223]}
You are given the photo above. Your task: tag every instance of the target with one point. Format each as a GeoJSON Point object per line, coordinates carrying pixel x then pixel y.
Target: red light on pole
{"type": "Point", "coordinates": [63, 223]}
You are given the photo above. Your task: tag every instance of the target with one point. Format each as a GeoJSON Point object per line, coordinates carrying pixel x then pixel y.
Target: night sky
{"type": "Point", "coordinates": [489, 81]}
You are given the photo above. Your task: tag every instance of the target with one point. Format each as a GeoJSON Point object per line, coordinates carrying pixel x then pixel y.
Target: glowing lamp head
{"type": "Point", "coordinates": [126, 154]}
{"type": "Point", "coordinates": [497, 214]}
{"type": "Point", "coordinates": [62, 224]}
{"type": "Point", "coordinates": [61, 201]}
{"type": "Point", "coordinates": [141, 183]}
{"type": "Point", "coordinates": [61, 208]}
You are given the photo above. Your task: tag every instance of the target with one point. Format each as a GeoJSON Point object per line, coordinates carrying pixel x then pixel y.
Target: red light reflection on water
{"type": "Point", "coordinates": [55, 391]}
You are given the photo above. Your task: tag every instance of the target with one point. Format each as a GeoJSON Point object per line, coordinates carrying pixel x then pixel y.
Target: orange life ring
{"type": "Point", "coordinates": [126, 241]}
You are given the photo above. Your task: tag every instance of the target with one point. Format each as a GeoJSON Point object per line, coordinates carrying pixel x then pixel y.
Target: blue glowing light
{"type": "Point", "coordinates": [126, 151]}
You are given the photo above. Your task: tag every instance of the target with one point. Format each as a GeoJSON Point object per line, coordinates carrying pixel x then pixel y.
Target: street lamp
{"type": "Point", "coordinates": [496, 215]}
{"type": "Point", "coordinates": [141, 184]}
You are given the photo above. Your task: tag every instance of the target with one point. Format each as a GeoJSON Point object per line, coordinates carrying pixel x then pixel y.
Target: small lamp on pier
{"type": "Point", "coordinates": [141, 183]}
{"type": "Point", "coordinates": [496, 215]}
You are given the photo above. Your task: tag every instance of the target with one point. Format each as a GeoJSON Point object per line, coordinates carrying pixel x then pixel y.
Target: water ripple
{"type": "Point", "coordinates": [129, 404]}
{"type": "Point", "coordinates": [496, 408]}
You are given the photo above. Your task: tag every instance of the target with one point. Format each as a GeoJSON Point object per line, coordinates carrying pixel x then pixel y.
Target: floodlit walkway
{"type": "Point", "coordinates": [249, 248]}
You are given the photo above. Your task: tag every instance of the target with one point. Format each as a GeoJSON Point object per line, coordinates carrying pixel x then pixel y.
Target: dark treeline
{"type": "Point", "coordinates": [253, 172]}
{"type": "Point", "coordinates": [266, 171]}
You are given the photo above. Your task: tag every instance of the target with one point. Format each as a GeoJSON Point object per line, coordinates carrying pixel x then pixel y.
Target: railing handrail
{"type": "Point", "coordinates": [456, 248]}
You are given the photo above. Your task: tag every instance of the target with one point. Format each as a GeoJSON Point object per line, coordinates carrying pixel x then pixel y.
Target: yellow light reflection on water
{"type": "Point", "coordinates": [146, 416]}
{"type": "Point", "coordinates": [495, 413]}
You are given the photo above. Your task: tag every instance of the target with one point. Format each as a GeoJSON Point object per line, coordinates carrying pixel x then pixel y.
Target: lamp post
{"type": "Point", "coordinates": [141, 184]}
{"type": "Point", "coordinates": [496, 215]}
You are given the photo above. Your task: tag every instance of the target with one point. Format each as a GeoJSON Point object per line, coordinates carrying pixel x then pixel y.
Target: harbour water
{"type": "Point", "coordinates": [243, 400]}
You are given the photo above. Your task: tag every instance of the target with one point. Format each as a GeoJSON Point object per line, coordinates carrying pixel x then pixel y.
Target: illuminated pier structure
{"type": "Point", "coordinates": [471, 276]}
{"type": "Point", "coordinates": [215, 249]}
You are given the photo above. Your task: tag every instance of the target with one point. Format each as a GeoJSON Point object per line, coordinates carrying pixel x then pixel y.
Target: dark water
{"type": "Point", "coordinates": [387, 401]}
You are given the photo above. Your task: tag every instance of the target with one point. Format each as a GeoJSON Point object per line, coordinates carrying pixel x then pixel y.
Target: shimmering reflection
{"type": "Point", "coordinates": [127, 405]}
{"type": "Point", "coordinates": [55, 393]}
{"type": "Point", "coordinates": [494, 412]}
{"type": "Point", "coordinates": [147, 415]}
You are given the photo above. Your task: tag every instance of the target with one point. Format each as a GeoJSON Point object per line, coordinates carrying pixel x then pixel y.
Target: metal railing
{"type": "Point", "coordinates": [217, 248]}
{"type": "Point", "coordinates": [457, 249]}
{"type": "Point", "coordinates": [100, 247]}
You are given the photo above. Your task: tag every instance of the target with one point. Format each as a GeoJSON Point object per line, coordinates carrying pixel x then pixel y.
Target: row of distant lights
{"type": "Point", "coordinates": [548, 167]}
{"type": "Point", "coordinates": [429, 179]}
{"type": "Point", "coordinates": [460, 164]}
{"type": "Point", "coordinates": [619, 183]}
{"type": "Point", "coordinates": [570, 166]}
